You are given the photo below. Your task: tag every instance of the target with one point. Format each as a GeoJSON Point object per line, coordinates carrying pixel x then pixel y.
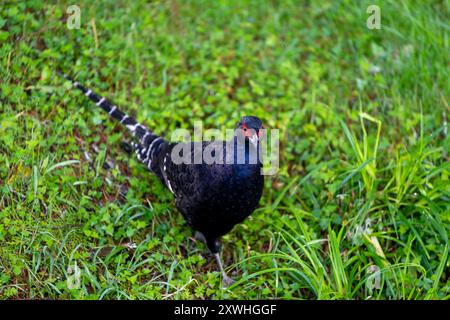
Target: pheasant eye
{"type": "Point", "coordinates": [246, 131]}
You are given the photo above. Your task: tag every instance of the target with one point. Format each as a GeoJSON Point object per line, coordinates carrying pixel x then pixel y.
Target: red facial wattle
{"type": "Point", "coordinates": [260, 133]}
{"type": "Point", "coordinates": [247, 132]}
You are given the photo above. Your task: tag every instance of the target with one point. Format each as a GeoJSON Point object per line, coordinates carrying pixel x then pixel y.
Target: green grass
{"type": "Point", "coordinates": [358, 210]}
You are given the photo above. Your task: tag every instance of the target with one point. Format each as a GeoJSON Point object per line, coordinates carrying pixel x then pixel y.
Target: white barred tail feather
{"type": "Point", "coordinates": [148, 141]}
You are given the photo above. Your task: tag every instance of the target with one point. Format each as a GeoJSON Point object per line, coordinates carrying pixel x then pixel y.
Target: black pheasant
{"type": "Point", "coordinates": [213, 194]}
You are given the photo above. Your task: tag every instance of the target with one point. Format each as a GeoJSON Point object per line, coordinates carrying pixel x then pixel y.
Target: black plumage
{"type": "Point", "coordinates": [212, 197]}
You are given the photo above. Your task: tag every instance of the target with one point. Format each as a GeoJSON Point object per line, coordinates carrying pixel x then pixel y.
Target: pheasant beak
{"type": "Point", "coordinates": [254, 140]}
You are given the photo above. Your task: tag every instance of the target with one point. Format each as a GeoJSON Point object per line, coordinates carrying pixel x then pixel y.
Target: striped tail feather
{"type": "Point", "coordinates": [149, 142]}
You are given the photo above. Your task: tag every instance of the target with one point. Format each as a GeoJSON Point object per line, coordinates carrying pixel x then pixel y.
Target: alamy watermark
{"type": "Point", "coordinates": [73, 280]}
{"type": "Point", "coordinates": [231, 147]}
{"type": "Point", "coordinates": [74, 17]}
{"type": "Point", "coordinates": [374, 19]}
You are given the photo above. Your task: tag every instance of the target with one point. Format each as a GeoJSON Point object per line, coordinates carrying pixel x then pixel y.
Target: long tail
{"type": "Point", "coordinates": [149, 143]}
